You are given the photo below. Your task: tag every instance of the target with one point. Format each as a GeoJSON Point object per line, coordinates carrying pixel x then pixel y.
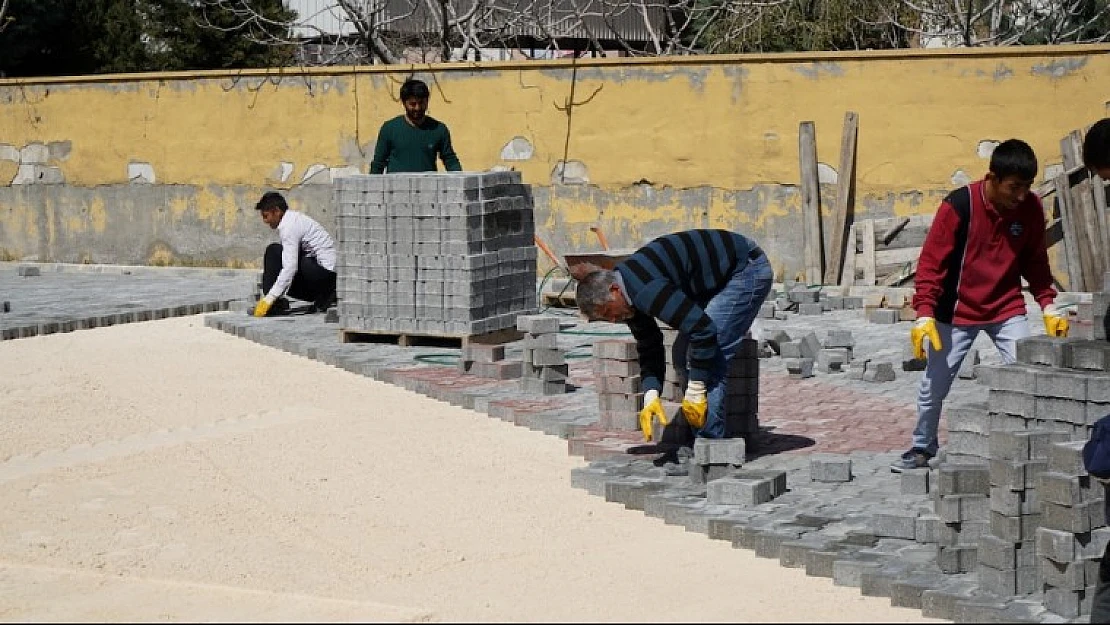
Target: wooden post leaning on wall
{"type": "Point", "coordinates": [1071, 237]}
{"type": "Point", "coordinates": [1082, 206]}
{"type": "Point", "coordinates": [842, 212]}
{"type": "Point", "coordinates": [811, 203]}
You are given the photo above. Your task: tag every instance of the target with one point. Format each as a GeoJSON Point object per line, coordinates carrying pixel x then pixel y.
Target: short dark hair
{"type": "Point", "coordinates": [1014, 158]}
{"type": "Point", "coordinates": [1096, 145]}
{"type": "Point", "coordinates": [271, 199]}
{"type": "Point", "coordinates": [413, 88]}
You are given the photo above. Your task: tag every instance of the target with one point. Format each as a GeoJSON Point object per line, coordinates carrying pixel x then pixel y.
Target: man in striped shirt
{"type": "Point", "coordinates": [707, 284]}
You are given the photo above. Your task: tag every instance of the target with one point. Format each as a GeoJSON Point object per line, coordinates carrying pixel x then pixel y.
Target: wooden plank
{"type": "Point", "coordinates": [908, 271]}
{"type": "Point", "coordinates": [897, 257]}
{"type": "Point", "coordinates": [1071, 253]}
{"type": "Point", "coordinates": [1086, 221]}
{"type": "Point", "coordinates": [867, 256]}
{"type": "Point", "coordinates": [811, 203]}
{"type": "Point", "coordinates": [845, 196]}
{"type": "Point", "coordinates": [848, 272]}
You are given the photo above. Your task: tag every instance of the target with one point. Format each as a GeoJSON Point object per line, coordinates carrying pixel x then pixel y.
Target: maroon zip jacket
{"type": "Point", "coordinates": [970, 270]}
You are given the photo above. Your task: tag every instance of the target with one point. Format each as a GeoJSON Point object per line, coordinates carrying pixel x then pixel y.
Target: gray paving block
{"type": "Point", "coordinates": [832, 360]}
{"type": "Point", "coordinates": [968, 417]}
{"type": "Point", "coordinates": [956, 559]}
{"type": "Point", "coordinates": [792, 553]}
{"type": "Point", "coordinates": [879, 372]}
{"type": "Point", "coordinates": [810, 309]}
{"type": "Point", "coordinates": [959, 508]}
{"type": "Point", "coordinates": [1043, 350]}
{"type": "Point", "coordinates": [1004, 555]}
{"type": "Point", "coordinates": [809, 345]}
{"type": "Point", "coordinates": [840, 338]}
{"type": "Point", "coordinates": [1067, 457]}
{"type": "Point", "coordinates": [894, 524]}
{"type": "Point", "coordinates": [732, 491]}
{"type": "Point", "coordinates": [1015, 529]}
{"type": "Point", "coordinates": [927, 529]}
{"type": "Point", "coordinates": [617, 349]}
{"type": "Point", "coordinates": [1093, 355]}
{"type": "Point", "coordinates": [908, 592]}
{"type": "Point", "coordinates": [27, 271]}
{"type": "Point", "coordinates": [537, 324]}
{"type": "Point", "coordinates": [849, 571]}
{"type": "Point", "coordinates": [884, 316]}
{"type": "Point", "coordinates": [830, 468]}
{"type": "Point", "coordinates": [914, 482]}
{"type": "Point", "coordinates": [969, 365]}
{"type": "Point", "coordinates": [963, 479]}
{"type": "Point", "coordinates": [799, 367]}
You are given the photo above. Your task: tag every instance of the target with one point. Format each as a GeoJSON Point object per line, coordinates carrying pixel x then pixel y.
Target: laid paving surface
{"type": "Point", "coordinates": [853, 532]}
{"type": "Point", "coordinates": [67, 297]}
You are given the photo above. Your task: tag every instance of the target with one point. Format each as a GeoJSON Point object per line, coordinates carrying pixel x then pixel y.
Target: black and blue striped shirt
{"type": "Point", "coordinates": [672, 279]}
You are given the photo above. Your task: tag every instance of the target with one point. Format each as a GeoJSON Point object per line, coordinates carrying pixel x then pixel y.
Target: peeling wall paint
{"type": "Point", "coordinates": [637, 146]}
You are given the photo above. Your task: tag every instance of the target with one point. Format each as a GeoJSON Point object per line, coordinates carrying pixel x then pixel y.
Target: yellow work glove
{"type": "Point", "coordinates": [1055, 321]}
{"type": "Point", "coordinates": [653, 409]}
{"type": "Point", "coordinates": [695, 404]}
{"type": "Point", "coordinates": [263, 306]}
{"type": "Point", "coordinates": [925, 328]}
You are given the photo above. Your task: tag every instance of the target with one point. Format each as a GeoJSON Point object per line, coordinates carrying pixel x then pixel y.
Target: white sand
{"type": "Point", "coordinates": [166, 471]}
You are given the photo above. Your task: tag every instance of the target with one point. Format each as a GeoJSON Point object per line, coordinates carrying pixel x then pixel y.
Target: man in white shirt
{"type": "Point", "coordinates": [301, 266]}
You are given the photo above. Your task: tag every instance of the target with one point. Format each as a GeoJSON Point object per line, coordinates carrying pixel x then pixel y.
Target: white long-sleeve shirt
{"type": "Point", "coordinates": [297, 232]}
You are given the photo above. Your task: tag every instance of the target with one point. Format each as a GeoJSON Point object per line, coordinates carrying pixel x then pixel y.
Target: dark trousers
{"type": "Point", "coordinates": [1100, 608]}
{"type": "Point", "coordinates": [312, 283]}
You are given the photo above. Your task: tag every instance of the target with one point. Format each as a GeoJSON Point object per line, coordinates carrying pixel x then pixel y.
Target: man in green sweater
{"type": "Point", "coordinates": [411, 142]}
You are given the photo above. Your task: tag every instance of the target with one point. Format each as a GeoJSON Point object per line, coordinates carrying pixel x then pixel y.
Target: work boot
{"type": "Point", "coordinates": [912, 459]}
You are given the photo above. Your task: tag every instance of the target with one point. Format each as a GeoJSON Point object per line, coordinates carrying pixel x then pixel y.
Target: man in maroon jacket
{"type": "Point", "coordinates": [984, 239]}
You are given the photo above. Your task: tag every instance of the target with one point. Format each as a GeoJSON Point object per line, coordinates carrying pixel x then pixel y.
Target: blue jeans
{"type": "Point", "coordinates": [944, 364]}
{"type": "Point", "coordinates": [732, 309]}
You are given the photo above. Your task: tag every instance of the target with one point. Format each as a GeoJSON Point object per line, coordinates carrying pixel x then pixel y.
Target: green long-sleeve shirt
{"type": "Point", "coordinates": [402, 147]}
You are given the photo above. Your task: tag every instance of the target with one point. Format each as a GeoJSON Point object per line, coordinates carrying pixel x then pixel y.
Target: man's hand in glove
{"type": "Point", "coordinates": [263, 306]}
{"type": "Point", "coordinates": [653, 409]}
{"type": "Point", "coordinates": [1055, 321]}
{"type": "Point", "coordinates": [925, 328]}
{"type": "Point", "coordinates": [695, 404]}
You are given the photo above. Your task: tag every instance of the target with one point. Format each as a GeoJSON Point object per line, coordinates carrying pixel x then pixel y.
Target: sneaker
{"type": "Point", "coordinates": [912, 459]}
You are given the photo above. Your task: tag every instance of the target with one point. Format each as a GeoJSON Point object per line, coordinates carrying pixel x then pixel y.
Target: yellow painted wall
{"type": "Point", "coordinates": [713, 139]}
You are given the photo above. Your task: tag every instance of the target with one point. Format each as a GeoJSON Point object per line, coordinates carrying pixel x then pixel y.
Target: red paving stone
{"type": "Point", "coordinates": [795, 416]}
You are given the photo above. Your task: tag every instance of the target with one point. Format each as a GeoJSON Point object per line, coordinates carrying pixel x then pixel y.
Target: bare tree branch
{"type": "Point", "coordinates": [4, 19]}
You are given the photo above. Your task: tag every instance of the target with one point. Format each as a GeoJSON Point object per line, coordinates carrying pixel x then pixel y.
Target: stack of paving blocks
{"type": "Point", "coordinates": [488, 361]}
{"type": "Point", "coordinates": [742, 393]}
{"type": "Point", "coordinates": [436, 254]}
{"type": "Point", "coordinates": [836, 354]}
{"type": "Point", "coordinates": [1072, 536]}
{"type": "Point", "coordinates": [714, 459]}
{"type": "Point", "coordinates": [544, 368]}
{"type": "Point", "coordinates": [1046, 527]}
{"type": "Point", "coordinates": [799, 355]}
{"type": "Point", "coordinates": [961, 498]}
{"type": "Point", "coordinates": [741, 378]}
{"type": "Point", "coordinates": [617, 371]}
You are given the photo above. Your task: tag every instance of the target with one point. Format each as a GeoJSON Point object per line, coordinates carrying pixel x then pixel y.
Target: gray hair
{"type": "Point", "coordinates": [593, 291]}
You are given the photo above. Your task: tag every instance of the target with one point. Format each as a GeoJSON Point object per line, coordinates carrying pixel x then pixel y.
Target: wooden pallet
{"type": "Point", "coordinates": [412, 339]}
